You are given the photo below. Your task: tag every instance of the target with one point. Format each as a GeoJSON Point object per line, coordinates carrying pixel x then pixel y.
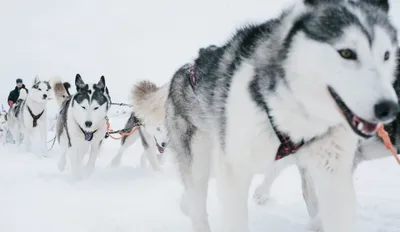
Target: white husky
{"type": "Point", "coordinates": [29, 116]}
{"type": "Point", "coordinates": [82, 123]}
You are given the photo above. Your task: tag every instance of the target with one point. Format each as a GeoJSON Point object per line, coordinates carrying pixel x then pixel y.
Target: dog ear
{"type": "Point", "coordinates": [382, 4]}
{"type": "Point", "coordinates": [79, 82]}
{"type": "Point", "coordinates": [36, 80]}
{"type": "Point", "coordinates": [102, 83]}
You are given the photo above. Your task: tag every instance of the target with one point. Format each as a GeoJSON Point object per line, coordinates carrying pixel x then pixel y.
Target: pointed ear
{"type": "Point", "coordinates": [102, 83]}
{"type": "Point", "coordinates": [382, 4]}
{"type": "Point", "coordinates": [36, 80]}
{"type": "Point", "coordinates": [79, 82]}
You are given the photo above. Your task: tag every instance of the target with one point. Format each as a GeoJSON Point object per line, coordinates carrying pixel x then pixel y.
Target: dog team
{"type": "Point", "coordinates": [310, 87]}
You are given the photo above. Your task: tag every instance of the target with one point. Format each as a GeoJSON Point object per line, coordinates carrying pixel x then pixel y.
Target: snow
{"type": "Point", "coordinates": [127, 41]}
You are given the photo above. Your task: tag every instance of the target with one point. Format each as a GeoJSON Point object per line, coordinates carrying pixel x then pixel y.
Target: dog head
{"type": "Point", "coordinates": [90, 104]}
{"type": "Point", "coordinates": [345, 52]}
{"type": "Point", "coordinates": [160, 135]}
{"type": "Point", "coordinates": [40, 91]}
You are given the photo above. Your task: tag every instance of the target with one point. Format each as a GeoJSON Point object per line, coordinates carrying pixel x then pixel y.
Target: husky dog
{"type": "Point", "coordinates": [285, 86]}
{"type": "Point", "coordinates": [368, 150]}
{"type": "Point", "coordinates": [29, 116]}
{"type": "Point", "coordinates": [150, 137]}
{"type": "Point", "coordinates": [82, 123]}
{"type": "Point", "coordinates": [3, 127]}
{"type": "Point", "coordinates": [148, 101]}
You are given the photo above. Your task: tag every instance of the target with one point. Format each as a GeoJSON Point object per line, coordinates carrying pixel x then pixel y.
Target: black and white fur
{"type": "Point", "coordinates": [148, 102]}
{"type": "Point", "coordinates": [3, 127]}
{"type": "Point", "coordinates": [28, 116]}
{"type": "Point", "coordinates": [319, 65]}
{"type": "Point", "coordinates": [153, 139]}
{"type": "Point", "coordinates": [81, 124]}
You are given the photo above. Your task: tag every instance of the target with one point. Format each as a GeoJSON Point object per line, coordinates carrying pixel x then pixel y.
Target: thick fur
{"type": "Point", "coordinates": [21, 120]}
{"type": "Point", "coordinates": [148, 101]}
{"type": "Point", "coordinates": [3, 127]}
{"type": "Point", "coordinates": [81, 124]}
{"type": "Point", "coordinates": [370, 149]}
{"type": "Point", "coordinates": [264, 65]}
{"type": "Point", "coordinates": [153, 140]}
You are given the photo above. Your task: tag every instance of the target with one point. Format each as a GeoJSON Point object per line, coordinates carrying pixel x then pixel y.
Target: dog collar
{"type": "Point", "coordinates": [88, 135]}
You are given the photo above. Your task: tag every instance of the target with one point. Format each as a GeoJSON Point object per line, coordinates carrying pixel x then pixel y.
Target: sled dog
{"type": "Point", "coordinates": [81, 124]}
{"type": "Point", "coordinates": [148, 102]}
{"type": "Point", "coordinates": [151, 138]}
{"type": "Point", "coordinates": [28, 116]}
{"type": "Point", "coordinates": [313, 81]}
{"type": "Point", "coordinates": [3, 127]}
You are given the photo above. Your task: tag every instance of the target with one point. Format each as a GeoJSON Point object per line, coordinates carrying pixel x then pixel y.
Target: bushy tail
{"type": "Point", "coordinates": [148, 101]}
{"type": "Point", "coordinates": [22, 94]}
{"type": "Point", "coordinates": [61, 90]}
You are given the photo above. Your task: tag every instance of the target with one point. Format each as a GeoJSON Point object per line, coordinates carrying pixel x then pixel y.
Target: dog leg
{"type": "Point", "coordinates": [94, 152]}
{"type": "Point", "coordinates": [194, 163]}
{"type": "Point", "coordinates": [262, 192]}
{"type": "Point", "coordinates": [125, 144]}
{"type": "Point", "coordinates": [149, 146]}
{"type": "Point", "coordinates": [75, 156]}
{"type": "Point", "coordinates": [63, 161]}
{"type": "Point", "coordinates": [233, 185]}
{"type": "Point", "coordinates": [330, 165]}
{"type": "Point", "coordinates": [43, 140]}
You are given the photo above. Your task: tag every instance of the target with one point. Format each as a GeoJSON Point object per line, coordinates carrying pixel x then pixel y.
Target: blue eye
{"type": "Point", "coordinates": [96, 108]}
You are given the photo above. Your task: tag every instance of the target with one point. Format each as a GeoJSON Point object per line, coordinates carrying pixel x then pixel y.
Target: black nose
{"type": "Point", "coordinates": [386, 110]}
{"type": "Point", "coordinates": [44, 96]}
{"type": "Point", "coordinates": [163, 144]}
{"type": "Point", "coordinates": [88, 123]}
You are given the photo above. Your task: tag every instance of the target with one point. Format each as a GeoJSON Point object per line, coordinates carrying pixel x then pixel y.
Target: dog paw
{"type": "Point", "coordinates": [61, 166]}
{"type": "Point", "coordinates": [184, 205]}
{"type": "Point", "coordinates": [315, 225]}
{"type": "Point", "coordinates": [115, 163]}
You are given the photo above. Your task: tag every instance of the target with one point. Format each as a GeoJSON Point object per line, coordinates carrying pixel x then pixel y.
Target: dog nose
{"type": "Point", "coordinates": [386, 110]}
{"type": "Point", "coordinates": [88, 123]}
{"type": "Point", "coordinates": [163, 144]}
{"type": "Point", "coordinates": [44, 96]}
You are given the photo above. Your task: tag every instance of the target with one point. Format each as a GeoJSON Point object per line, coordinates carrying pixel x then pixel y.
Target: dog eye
{"type": "Point", "coordinates": [83, 107]}
{"type": "Point", "coordinates": [39, 89]}
{"type": "Point", "coordinates": [348, 54]}
{"type": "Point", "coordinates": [387, 56]}
{"type": "Point", "coordinates": [96, 108]}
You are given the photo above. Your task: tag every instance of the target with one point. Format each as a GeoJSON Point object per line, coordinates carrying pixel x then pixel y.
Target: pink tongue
{"type": "Point", "coordinates": [369, 127]}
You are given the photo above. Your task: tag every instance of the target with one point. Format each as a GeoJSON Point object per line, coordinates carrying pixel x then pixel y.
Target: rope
{"type": "Point", "coordinates": [122, 132]}
{"type": "Point", "coordinates": [120, 104]}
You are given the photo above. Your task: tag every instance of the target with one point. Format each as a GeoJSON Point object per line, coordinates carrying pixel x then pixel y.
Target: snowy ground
{"type": "Point", "coordinates": [36, 197]}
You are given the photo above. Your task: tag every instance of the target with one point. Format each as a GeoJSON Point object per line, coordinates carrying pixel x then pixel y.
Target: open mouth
{"type": "Point", "coordinates": [160, 148]}
{"type": "Point", "coordinates": [361, 127]}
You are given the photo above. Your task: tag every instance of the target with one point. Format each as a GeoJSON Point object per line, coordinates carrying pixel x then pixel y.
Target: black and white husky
{"type": "Point", "coordinates": [3, 127]}
{"type": "Point", "coordinates": [148, 103]}
{"type": "Point", "coordinates": [82, 123]}
{"type": "Point", "coordinates": [313, 81]}
{"type": "Point", "coordinates": [28, 116]}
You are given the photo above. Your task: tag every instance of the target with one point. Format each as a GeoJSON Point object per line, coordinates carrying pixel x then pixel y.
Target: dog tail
{"type": "Point", "coordinates": [148, 101]}
{"type": "Point", "coordinates": [61, 90]}
{"type": "Point", "coordinates": [22, 94]}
